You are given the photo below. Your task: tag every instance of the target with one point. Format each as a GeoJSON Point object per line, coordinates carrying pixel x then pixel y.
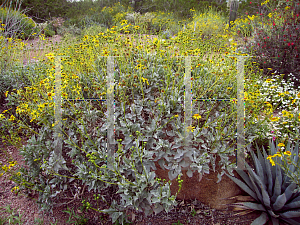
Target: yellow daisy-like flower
{"type": "Point", "coordinates": [197, 116]}
{"type": "Point", "coordinates": [274, 119]}
{"type": "Point", "coordinates": [299, 117]}
{"type": "Point", "coordinates": [271, 160]}
{"type": "Point", "coordinates": [268, 80]}
{"type": "Point", "coordinates": [285, 113]}
{"type": "Point", "coordinates": [12, 118]}
{"type": "Point", "coordinates": [277, 154]}
{"type": "Point", "coordinates": [50, 56]}
{"type": "Point", "coordinates": [287, 153]}
{"type": "Point", "coordinates": [176, 116]}
{"type": "Point", "coordinates": [190, 128]}
{"type": "Point", "coordinates": [281, 145]}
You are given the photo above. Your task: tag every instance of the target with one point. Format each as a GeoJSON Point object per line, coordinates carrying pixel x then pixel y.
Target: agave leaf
{"type": "Point", "coordinates": [277, 190]}
{"type": "Point", "coordinates": [280, 201]}
{"type": "Point", "coordinates": [263, 194]}
{"type": "Point", "coordinates": [254, 175]}
{"type": "Point", "coordinates": [251, 205]}
{"type": "Point", "coordinates": [272, 214]}
{"type": "Point", "coordinates": [270, 178]}
{"type": "Point", "coordinates": [245, 178]}
{"type": "Point", "coordinates": [289, 191]}
{"type": "Point", "coordinates": [243, 186]}
{"type": "Point", "coordinates": [292, 205]}
{"type": "Point", "coordinates": [292, 221]}
{"type": "Point", "coordinates": [262, 219]}
{"type": "Point", "coordinates": [290, 214]}
{"type": "Point", "coordinates": [258, 168]}
{"type": "Point", "coordinates": [266, 197]}
{"type": "Point", "coordinates": [258, 194]}
{"type": "Point", "coordinates": [275, 221]}
{"type": "Point", "coordinates": [263, 163]}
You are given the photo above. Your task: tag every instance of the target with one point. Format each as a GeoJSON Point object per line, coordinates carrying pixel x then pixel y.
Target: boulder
{"type": "Point", "coordinates": [207, 191]}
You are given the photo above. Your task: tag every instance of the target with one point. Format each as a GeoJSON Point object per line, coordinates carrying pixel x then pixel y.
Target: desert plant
{"type": "Point", "coordinates": [12, 218]}
{"type": "Point", "coordinates": [270, 188]}
{"type": "Point", "coordinates": [289, 163]}
{"type": "Point", "coordinates": [16, 23]}
{"type": "Point", "coordinates": [276, 43]}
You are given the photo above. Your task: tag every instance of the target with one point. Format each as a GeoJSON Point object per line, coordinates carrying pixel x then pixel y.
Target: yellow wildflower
{"type": "Point", "coordinates": [274, 119]}
{"type": "Point", "coordinates": [281, 145]}
{"type": "Point", "coordinates": [190, 128]}
{"type": "Point", "coordinates": [287, 153]}
{"type": "Point", "coordinates": [285, 113]}
{"type": "Point", "coordinates": [12, 118]}
{"type": "Point", "coordinates": [197, 116]}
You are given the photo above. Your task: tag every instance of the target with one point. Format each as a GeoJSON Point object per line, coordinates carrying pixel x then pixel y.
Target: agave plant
{"type": "Point", "coordinates": [272, 191]}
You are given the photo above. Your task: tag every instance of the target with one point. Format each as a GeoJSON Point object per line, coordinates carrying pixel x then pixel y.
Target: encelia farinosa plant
{"type": "Point", "coordinates": [273, 192]}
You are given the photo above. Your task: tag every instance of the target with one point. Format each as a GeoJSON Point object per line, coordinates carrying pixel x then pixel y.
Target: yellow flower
{"type": "Point", "coordinates": [50, 56]}
{"type": "Point", "coordinates": [190, 128]}
{"type": "Point", "coordinates": [281, 145]}
{"type": "Point", "coordinates": [123, 22]}
{"type": "Point", "coordinates": [287, 153]}
{"type": "Point", "coordinates": [12, 118]}
{"type": "Point", "coordinates": [268, 80]}
{"type": "Point", "coordinates": [285, 113]}
{"type": "Point", "coordinates": [176, 116]}
{"type": "Point", "coordinates": [3, 117]}
{"type": "Point", "coordinates": [15, 189]}
{"type": "Point", "coordinates": [197, 116]}
{"type": "Point", "coordinates": [145, 80]}
{"type": "Point", "coordinates": [6, 93]}
{"type": "Point", "coordinates": [274, 119]}
{"type": "Point", "coordinates": [277, 154]}
{"type": "Point", "coordinates": [271, 160]}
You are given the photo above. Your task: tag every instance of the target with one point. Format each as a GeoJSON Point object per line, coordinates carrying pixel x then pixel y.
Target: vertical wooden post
{"type": "Point", "coordinates": [57, 114]}
{"type": "Point", "coordinates": [110, 109]}
{"type": "Point", "coordinates": [240, 113]}
{"type": "Point", "coordinates": [187, 104]}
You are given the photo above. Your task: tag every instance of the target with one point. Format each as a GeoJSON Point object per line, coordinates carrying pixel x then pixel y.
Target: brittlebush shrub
{"type": "Point", "coordinates": [276, 43]}
{"type": "Point", "coordinates": [16, 24]}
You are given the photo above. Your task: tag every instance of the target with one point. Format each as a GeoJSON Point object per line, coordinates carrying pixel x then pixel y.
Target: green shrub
{"type": "Point", "coordinates": [276, 43]}
{"type": "Point", "coordinates": [49, 32]}
{"type": "Point", "coordinates": [17, 24]}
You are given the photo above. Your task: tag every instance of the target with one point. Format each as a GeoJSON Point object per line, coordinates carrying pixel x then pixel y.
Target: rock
{"type": "Point", "coordinates": [207, 191]}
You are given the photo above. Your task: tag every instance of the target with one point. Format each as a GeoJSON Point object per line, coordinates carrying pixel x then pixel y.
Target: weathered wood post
{"type": "Point", "coordinates": [233, 7]}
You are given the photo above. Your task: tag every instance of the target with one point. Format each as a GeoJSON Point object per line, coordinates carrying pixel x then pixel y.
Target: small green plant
{"type": "Point", "coordinates": [13, 217]}
{"type": "Point", "coordinates": [178, 223]}
{"type": "Point", "coordinates": [38, 221]}
{"type": "Point", "coordinates": [193, 213]}
{"type": "Point", "coordinates": [74, 218]}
